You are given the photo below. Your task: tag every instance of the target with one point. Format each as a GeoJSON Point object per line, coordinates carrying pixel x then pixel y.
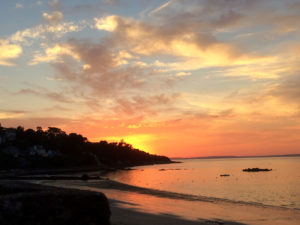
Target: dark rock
{"type": "Point", "coordinates": [256, 170]}
{"type": "Point", "coordinates": [48, 206]}
{"type": "Point", "coordinates": [224, 175]}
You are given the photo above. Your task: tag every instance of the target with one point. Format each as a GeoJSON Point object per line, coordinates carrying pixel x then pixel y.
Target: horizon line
{"type": "Point", "coordinates": [233, 156]}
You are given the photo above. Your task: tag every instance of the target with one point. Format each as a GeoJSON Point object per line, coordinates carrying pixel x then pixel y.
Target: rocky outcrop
{"type": "Point", "coordinates": [28, 204]}
{"type": "Point", "coordinates": [224, 175]}
{"type": "Point", "coordinates": [256, 170]}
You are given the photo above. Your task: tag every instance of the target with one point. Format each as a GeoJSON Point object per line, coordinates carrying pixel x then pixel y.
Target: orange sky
{"type": "Point", "coordinates": [180, 79]}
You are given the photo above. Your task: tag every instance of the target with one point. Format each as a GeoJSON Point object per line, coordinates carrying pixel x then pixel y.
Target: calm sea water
{"type": "Point", "coordinates": [201, 177]}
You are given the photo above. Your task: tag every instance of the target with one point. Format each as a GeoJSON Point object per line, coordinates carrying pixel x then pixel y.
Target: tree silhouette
{"type": "Point", "coordinates": [69, 150]}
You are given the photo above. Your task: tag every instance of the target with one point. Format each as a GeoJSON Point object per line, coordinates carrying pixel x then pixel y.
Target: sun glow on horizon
{"type": "Point", "coordinates": [138, 141]}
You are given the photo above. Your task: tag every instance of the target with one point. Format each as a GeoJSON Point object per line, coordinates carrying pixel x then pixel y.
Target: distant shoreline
{"type": "Point", "coordinates": [232, 157]}
{"type": "Point", "coordinates": [18, 174]}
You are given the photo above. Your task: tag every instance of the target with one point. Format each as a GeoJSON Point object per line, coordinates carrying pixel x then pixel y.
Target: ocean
{"type": "Point", "coordinates": [201, 177]}
{"type": "Point", "coordinates": [195, 191]}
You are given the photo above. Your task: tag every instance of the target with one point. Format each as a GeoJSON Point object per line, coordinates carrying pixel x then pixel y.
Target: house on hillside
{"type": "Point", "coordinates": [38, 150]}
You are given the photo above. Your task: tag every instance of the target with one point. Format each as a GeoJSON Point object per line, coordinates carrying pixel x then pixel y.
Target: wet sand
{"type": "Point", "coordinates": [125, 216]}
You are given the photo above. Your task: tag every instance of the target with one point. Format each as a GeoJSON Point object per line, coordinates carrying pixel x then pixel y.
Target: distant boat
{"type": "Point", "coordinates": [256, 170]}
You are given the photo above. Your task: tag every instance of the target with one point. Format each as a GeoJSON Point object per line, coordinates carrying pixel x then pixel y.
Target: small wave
{"type": "Point", "coordinates": [111, 184]}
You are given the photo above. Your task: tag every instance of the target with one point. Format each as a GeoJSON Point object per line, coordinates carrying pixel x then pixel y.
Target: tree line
{"type": "Point", "coordinates": [54, 148]}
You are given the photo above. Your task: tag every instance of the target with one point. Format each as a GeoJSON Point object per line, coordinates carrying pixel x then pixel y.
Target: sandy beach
{"type": "Point", "coordinates": [17, 196]}
{"type": "Point", "coordinates": [138, 204]}
{"type": "Point", "coordinates": [135, 205]}
{"type": "Point", "coordinates": [125, 216]}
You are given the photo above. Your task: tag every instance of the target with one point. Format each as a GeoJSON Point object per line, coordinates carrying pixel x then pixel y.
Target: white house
{"type": "Point", "coordinates": [38, 150]}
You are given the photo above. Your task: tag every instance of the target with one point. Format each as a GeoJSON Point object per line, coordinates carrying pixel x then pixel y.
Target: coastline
{"type": "Point", "coordinates": [102, 169]}
{"type": "Point", "coordinates": [134, 205]}
{"type": "Point", "coordinates": [162, 206]}
{"type": "Point", "coordinates": [118, 214]}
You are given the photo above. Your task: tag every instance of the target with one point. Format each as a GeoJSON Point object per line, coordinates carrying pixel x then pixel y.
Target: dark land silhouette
{"type": "Point", "coordinates": [54, 148]}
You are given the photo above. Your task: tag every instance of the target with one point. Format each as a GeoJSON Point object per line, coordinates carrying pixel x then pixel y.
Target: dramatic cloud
{"type": "Point", "coordinates": [8, 52]}
{"type": "Point", "coordinates": [53, 17]}
{"type": "Point", "coordinates": [99, 68]}
{"type": "Point", "coordinates": [54, 54]}
{"type": "Point", "coordinates": [222, 73]}
{"type": "Point", "coordinates": [150, 105]}
{"type": "Point", "coordinates": [27, 36]}
{"type": "Point", "coordinates": [288, 90]}
{"type": "Point", "coordinates": [106, 76]}
{"type": "Point", "coordinates": [42, 92]}
{"type": "Point", "coordinates": [107, 23]}
{"type": "Point", "coordinates": [194, 50]}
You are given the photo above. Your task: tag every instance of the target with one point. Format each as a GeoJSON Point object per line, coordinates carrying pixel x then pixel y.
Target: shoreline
{"type": "Point", "coordinates": [138, 204]}
{"type": "Point", "coordinates": [108, 184]}
{"type": "Point", "coordinates": [132, 205]}
{"type": "Point", "coordinates": [99, 182]}
{"type": "Point", "coordinates": [118, 214]}
{"type": "Point", "coordinates": [73, 170]}
{"type": "Point", "coordinates": [83, 175]}
{"type": "Point", "coordinates": [192, 210]}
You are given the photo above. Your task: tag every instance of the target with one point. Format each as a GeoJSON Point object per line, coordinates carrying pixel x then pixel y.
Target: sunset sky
{"type": "Point", "coordinates": [180, 78]}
